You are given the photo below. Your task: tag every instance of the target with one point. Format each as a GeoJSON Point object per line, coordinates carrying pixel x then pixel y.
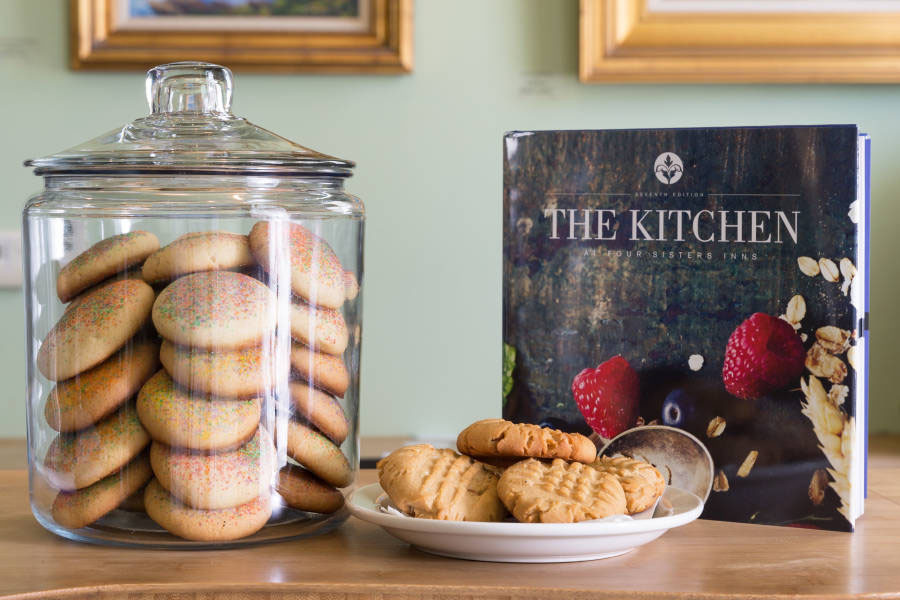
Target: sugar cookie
{"type": "Point", "coordinates": [198, 251]}
{"type": "Point", "coordinates": [90, 396]}
{"type": "Point", "coordinates": [216, 480]}
{"type": "Point", "coordinates": [175, 417]}
{"type": "Point", "coordinates": [318, 454]}
{"type": "Point", "coordinates": [75, 461]}
{"type": "Point", "coordinates": [430, 483]}
{"type": "Point", "coordinates": [351, 285]}
{"type": "Point", "coordinates": [80, 508]}
{"type": "Point", "coordinates": [559, 492]}
{"type": "Point", "coordinates": [304, 491]}
{"type": "Point", "coordinates": [323, 329]}
{"type": "Point", "coordinates": [321, 410]}
{"type": "Point", "coordinates": [93, 330]}
{"type": "Point", "coordinates": [205, 525]}
{"type": "Point", "coordinates": [104, 259]}
{"type": "Point", "coordinates": [316, 273]}
{"type": "Point", "coordinates": [500, 438]}
{"type": "Point", "coordinates": [215, 310]}
{"type": "Point", "coordinates": [244, 372]}
{"type": "Point", "coordinates": [322, 370]}
{"type": "Point", "coordinates": [642, 483]}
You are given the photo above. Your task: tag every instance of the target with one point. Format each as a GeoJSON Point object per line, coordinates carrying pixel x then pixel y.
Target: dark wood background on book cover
{"type": "Point", "coordinates": [568, 304]}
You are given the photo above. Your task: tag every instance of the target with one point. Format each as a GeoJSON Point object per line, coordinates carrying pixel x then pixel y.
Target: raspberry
{"type": "Point", "coordinates": [764, 354]}
{"type": "Point", "coordinates": [608, 396]}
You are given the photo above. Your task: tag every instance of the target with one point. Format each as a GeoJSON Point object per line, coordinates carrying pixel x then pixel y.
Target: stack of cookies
{"type": "Point", "coordinates": [99, 353]}
{"type": "Point", "coordinates": [538, 475]}
{"type": "Point", "coordinates": [212, 463]}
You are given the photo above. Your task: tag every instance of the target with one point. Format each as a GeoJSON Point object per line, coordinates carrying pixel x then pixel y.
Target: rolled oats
{"type": "Point", "coordinates": [817, 486]}
{"type": "Point", "coordinates": [796, 309]}
{"type": "Point", "coordinates": [808, 266]}
{"type": "Point", "coordinates": [829, 270]}
{"type": "Point", "coordinates": [851, 356]}
{"type": "Point", "coordinates": [822, 364]}
{"type": "Point", "coordinates": [834, 339]}
{"type": "Point", "coordinates": [715, 428]}
{"type": "Point", "coordinates": [748, 463]}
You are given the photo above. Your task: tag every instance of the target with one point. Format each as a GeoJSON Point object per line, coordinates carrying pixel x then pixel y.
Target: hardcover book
{"type": "Point", "coordinates": [712, 280]}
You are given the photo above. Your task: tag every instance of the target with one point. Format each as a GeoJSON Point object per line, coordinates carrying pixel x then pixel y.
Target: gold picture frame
{"type": "Point", "coordinates": [383, 44]}
{"type": "Point", "coordinates": [627, 41]}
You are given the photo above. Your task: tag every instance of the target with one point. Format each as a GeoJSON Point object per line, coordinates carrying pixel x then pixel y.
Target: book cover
{"type": "Point", "coordinates": [709, 279]}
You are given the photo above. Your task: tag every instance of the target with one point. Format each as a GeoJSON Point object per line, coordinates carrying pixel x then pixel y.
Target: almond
{"type": "Point", "coordinates": [817, 486]}
{"type": "Point", "coordinates": [720, 483]}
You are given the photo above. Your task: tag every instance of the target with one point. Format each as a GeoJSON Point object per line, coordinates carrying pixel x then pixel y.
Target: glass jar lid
{"type": "Point", "coordinates": [191, 130]}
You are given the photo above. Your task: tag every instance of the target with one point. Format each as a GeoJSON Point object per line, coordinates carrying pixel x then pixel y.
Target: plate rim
{"type": "Point", "coordinates": [371, 492]}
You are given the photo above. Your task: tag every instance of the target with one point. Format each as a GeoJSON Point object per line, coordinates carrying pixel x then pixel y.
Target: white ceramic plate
{"type": "Point", "coordinates": [528, 542]}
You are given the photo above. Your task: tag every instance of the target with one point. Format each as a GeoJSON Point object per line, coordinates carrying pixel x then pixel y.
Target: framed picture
{"type": "Point", "coordinates": [684, 41]}
{"type": "Point", "coordinates": [337, 36]}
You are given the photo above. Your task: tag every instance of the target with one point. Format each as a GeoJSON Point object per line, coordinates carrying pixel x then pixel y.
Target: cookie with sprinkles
{"type": "Point", "coordinates": [318, 454]}
{"type": "Point", "coordinates": [304, 491]}
{"type": "Point", "coordinates": [320, 410]}
{"type": "Point", "coordinates": [324, 371]}
{"type": "Point", "coordinates": [90, 396]}
{"type": "Point", "coordinates": [98, 326]}
{"type": "Point", "coordinates": [176, 417]}
{"type": "Point", "coordinates": [80, 508]}
{"type": "Point", "coordinates": [245, 372]}
{"type": "Point", "coordinates": [102, 260]}
{"type": "Point", "coordinates": [218, 479]}
{"type": "Point", "coordinates": [321, 328]}
{"type": "Point", "coordinates": [201, 525]}
{"type": "Point", "coordinates": [75, 461]}
{"type": "Point", "coordinates": [316, 273]}
{"type": "Point", "coordinates": [351, 285]}
{"type": "Point", "coordinates": [215, 310]}
{"type": "Point", "coordinates": [198, 251]}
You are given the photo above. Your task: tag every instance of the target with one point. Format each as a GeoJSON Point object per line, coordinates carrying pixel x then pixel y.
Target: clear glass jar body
{"type": "Point", "coordinates": [194, 379]}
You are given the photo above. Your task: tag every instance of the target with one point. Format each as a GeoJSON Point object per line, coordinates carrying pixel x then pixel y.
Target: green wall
{"type": "Point", "coordinates": [428, 147]}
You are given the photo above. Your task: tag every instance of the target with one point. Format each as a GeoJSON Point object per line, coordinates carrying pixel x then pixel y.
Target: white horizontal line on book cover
{"type": "Point", "coordinates": [628, 194]}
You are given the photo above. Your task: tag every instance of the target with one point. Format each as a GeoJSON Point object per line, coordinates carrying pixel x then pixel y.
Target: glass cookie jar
{"type": "Point", "coordinates": [192, 289]}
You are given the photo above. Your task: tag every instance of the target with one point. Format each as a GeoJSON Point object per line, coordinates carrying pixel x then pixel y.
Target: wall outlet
{"type": "Point", "coordinates": [10, 259]}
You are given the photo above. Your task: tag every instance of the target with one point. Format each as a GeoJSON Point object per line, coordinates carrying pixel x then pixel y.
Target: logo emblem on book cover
{"type": "Point", "coordinates": [668, 167]}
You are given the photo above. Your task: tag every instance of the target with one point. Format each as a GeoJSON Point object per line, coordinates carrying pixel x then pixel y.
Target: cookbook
{"type": "Point", "coordinates": [708, 279]}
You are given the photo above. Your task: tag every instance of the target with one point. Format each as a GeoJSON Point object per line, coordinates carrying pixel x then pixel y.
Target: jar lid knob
{"type": "Point", "coordinates": [190, 87]}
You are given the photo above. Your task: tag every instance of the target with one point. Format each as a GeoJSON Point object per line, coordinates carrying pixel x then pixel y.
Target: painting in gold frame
{"type": "Point", "coordinates": [760, 41]}
{"type": "Point", "coordinates": [324, 36]}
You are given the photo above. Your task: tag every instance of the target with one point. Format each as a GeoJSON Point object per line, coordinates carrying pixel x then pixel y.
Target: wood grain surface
{"type": "Point", "coordinates": [705, 559]}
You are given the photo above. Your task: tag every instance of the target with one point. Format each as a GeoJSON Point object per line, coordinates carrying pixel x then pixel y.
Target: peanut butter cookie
{"type": "Point", "coordinates": [642, 483]}
{"type": "Point", "coordinates": [559, 492]}
{"type": "Point", "coordinates": [426, 482]}
{"type": "Point", "coordinates": [497, 438]}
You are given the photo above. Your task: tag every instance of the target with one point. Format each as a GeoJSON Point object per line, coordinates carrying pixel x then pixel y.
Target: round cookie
{"type": "Point", "coordinates": [245, 372]}
{"type": "Point", "coordinates": [323, 329]}
{"type": "Point", "coordinates": [642, 482]}
{"type": "Point", "coordinates": [321, 410]}
{"type": "Point", "coordinates": [75, 461]}
{"type": "Point", "coordinates": [215, 310]}
{"type": "Point", "coordinates": [93, 330]}
{"type": "Point", "coordinates": [205, 525]}
{"type": "Point", "coordinates": [497, 438]}
{"type": "Point", "coordinates": [304, 491]}
{"type": "Point", "coordinates": [90, 396]}
{"type": "Point", "coordinates": [175, 417]}
{"type": "Point", "coordinates": [318, 454]}
{"type": "Point", "coordinates": [104, 259]}
{"type": "Point", "coordinates": [316, 273]}
{"type": "Point", "coordinates": [218, 480]}
{"type": "Point", "coordinates": [321, 370]}
{"type": "Point", "coordinates": [198, 251]}
{"type": "Point", "coordinates": [351, 285]}
{"type": "Point", "coordinates": [80, 508]}
{"type": "Point", "coordinates": [559, 492]}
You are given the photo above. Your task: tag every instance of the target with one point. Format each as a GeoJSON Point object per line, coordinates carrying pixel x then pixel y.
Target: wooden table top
{"type": "Point", "coordinates": [705, 559]}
